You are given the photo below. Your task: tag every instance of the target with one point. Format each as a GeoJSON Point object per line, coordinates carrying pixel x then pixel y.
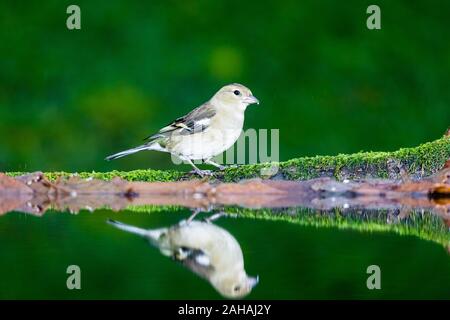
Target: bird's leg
{"type": "Point", "coordinates": [201, 173]}
{"type": "Point", "coordinates": [195, 212]}
{"type": "Point", "coordinates": [209, 161]}
{"type": "Point", "coordinates": [218, 215]}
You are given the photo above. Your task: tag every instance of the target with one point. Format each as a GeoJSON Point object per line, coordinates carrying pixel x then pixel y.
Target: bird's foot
{"type": "Point", "coordinates": [214, 217]}
{"type": "Point", "coordinates": [222, 168]}
{"type": "Point", "coordinates": [218, 215]}
{"type": "Point", "coordinates": [202, 173]}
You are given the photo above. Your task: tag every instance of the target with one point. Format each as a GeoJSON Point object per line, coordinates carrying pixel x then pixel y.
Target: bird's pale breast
{"type": "Point", "coordinates": [218, 137]}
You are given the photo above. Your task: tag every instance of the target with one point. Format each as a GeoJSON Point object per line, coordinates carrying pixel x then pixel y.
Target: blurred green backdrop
{"type": "Point", "coordinates": [69, 98]}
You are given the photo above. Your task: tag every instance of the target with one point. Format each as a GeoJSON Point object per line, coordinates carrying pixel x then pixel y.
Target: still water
{"type": "Point", "coordinates": [294, 253]}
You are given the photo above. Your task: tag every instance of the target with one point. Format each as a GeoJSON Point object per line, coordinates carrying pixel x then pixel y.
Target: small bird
{"type": "Point", "coordinates": [205, 132]}
{"type": "Point", "coordinates": [204, 248]}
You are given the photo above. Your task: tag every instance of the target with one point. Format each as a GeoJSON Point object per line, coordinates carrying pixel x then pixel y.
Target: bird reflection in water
{"type": "Point", "coordinates": [204, 248]}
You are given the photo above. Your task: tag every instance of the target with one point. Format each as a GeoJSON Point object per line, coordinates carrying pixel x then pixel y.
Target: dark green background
{"type": "Point", "coordinates": [330, 85]}
{"type": "Point", "coordinates": [69, 98]}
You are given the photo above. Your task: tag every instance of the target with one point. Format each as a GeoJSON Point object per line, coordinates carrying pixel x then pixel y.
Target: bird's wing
{"type": "Point", "coordinates": [196, 260]}
{"type": "Point", "coordinates": [194, 122]}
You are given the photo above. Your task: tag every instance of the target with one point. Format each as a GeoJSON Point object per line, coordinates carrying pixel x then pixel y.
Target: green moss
{"type": "Point", "coordinates": [135, 175]}
{"type": "Point", "coordinates": [154, 208]}
{"type": "Point", "coordinates": [425, 226]}
{"type": "Point", "coordinates": [417, 162]}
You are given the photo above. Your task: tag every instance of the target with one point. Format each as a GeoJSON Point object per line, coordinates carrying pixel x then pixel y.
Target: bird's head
{"type": "Point", "coordinates": [237, 286]}
{"type": "Point", "coordinates": [235, 95]}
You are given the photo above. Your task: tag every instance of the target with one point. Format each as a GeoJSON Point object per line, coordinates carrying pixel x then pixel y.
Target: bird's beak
{"type": "Point", "coordinates": [253, 281]}
{"type": "Point", "coordinates": [251, 100]}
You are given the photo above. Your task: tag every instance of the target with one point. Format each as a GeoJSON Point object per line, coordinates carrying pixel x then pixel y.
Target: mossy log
{"type": "Point", "coordinates": [415, 162]}
{"type": "Point", "coordinates": [406, 164]}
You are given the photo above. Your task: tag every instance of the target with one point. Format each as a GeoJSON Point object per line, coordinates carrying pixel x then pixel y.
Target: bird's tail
{"type": "Point", "coordinates": [128, 228]}
{"type": "Point", "coordinates": [151, 234]}
{"type": "Point", "coordinates": [127, 152]}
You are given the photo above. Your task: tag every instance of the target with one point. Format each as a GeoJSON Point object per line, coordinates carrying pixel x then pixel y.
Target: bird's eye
{"type": "Point", "coordinates": [237, 288]}
{"type": "Point", "coordinates": [237, 92]}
